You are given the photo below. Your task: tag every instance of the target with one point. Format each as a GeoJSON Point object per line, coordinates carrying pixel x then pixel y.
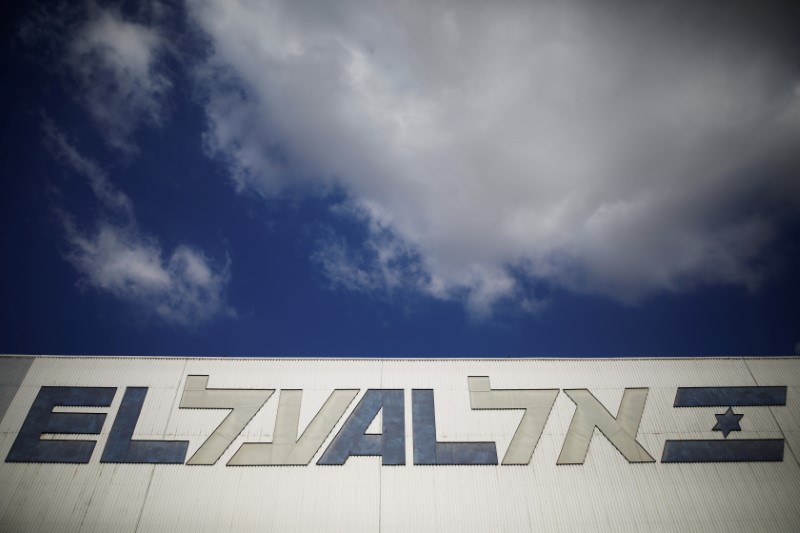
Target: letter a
{"type": "Point", "coordinates": [353, 440]}
{"type": "Point", "coordinates": [621, 431]}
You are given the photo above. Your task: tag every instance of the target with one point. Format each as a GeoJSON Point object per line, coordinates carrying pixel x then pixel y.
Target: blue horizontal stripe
{"type": "Point", "coordinates": [729, 396]}
{"type": "Point", "coordinates": [722, 451]}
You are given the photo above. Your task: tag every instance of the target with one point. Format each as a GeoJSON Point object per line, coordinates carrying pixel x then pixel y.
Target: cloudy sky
{"type": "Point", "coordinates": [511, 178]}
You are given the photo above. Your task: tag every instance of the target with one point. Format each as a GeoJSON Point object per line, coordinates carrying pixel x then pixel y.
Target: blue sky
{"type": "Point", "coordinates": [401, 179]}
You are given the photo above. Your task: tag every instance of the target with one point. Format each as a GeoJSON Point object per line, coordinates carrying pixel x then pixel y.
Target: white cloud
{"type": "Point", "coordinates": [622, 152]}
{"type": "Point", "coordinates": [114, 62]}
{"type": "Point", "coordinates": [181, 288]}
{"type": "Point", "coordinates": [116, 257]}
{"type": "Point", "coordinates": [384, 264]}
{"type": "Point", "coordinates": [108, 196]}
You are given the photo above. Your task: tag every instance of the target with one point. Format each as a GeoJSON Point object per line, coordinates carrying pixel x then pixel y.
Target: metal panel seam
{"type": "Point", "coordinates": [380, 471]}
{"type": "Point", "coordinates": [19, 370]}
{"type": "Point", "coordinates": [153, 467]}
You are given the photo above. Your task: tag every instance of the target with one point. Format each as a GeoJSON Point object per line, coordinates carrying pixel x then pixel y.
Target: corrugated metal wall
{"type": "Point", "coordinates": [606, 492]}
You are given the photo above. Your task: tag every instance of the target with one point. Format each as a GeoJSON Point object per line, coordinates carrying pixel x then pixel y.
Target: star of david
{"type": "Point", "coordinates": [727, 422]}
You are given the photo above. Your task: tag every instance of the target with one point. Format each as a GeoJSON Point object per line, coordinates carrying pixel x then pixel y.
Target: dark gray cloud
{"type": "Point", "coordinates": [616, 148]}
{"type": "Point", "coordinates": [622, 150]}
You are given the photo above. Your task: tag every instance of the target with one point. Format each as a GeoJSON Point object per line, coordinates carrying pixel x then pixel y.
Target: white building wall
{"type": "Point", "coordinates": [605, 493]}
